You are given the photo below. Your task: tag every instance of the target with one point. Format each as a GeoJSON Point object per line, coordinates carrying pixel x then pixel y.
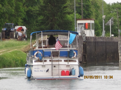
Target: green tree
{"type": "Point", "coordinates": [12, 11]}
{"type": "Point", "coordinates": [5, 11]}
{"type": "Point", "coordinates": [19, 12]}
{"type": "Point", "coordinates": [113, 10]}
{"type": "Point", "coordinates": [97, 16]}
{"type": "Point", "coordinates": [97, 28]}
{"type": "Point", "coordinates": [87, 11]}
{"type": "Point", "coordinates": [54, 15]}
{"type": "Point", "coordinates": [31, 15]}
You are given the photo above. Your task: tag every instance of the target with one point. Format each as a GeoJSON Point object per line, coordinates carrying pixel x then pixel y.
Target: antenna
{"type": "Point", "coordinates": [75, 13]}
{"type": "Point", "coordinates": [82, 8]}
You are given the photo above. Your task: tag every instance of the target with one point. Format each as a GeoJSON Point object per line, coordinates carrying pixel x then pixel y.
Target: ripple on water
{"type": "Point", "coordinates": [14, 79]}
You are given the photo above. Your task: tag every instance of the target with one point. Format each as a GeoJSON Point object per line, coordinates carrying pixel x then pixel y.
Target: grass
{"type": "Point", "coordinates": [11, 54]}
{"type": "Point", "coordinates": [12, 43]}
{"type": "Point", "coordinates": [13, 59]}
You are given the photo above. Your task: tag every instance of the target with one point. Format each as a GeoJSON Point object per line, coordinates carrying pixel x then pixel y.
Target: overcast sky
{"type": "Point", "coordinates": [112, 1]}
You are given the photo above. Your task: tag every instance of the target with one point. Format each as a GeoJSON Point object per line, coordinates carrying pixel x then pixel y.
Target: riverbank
{"type": "Point", "coordinates": [11, 54]}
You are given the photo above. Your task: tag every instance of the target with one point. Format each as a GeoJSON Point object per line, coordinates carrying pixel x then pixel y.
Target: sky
{"type": "Point", "coordinates": [112, 1]}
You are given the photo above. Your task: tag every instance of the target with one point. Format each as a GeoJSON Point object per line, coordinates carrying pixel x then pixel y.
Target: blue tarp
{"type": "Point", "coordinates": [72, 37]}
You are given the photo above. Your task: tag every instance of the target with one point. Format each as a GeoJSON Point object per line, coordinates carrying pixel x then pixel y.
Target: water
{"type": "Point", "coordinates": [14, 79]}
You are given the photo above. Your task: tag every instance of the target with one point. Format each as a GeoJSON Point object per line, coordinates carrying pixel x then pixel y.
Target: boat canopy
{"type": "Point", "coordinates": [65, 37]}
{"type": "Point", "coordinates": [48, 32]}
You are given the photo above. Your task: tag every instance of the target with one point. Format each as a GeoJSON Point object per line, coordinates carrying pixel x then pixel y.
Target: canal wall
{"type": "Point", "coordinates": [119, 48]}
{"type": "Point", "coordinates": [99, 50]}
{"type": "Point", "coordinates": [80, 49]}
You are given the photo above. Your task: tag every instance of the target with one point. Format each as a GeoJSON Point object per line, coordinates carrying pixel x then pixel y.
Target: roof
{"type": "Point", "coordinates": [55, 32]}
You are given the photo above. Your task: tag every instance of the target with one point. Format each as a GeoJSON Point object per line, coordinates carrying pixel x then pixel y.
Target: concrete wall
{"type": "Point", "coordinates": [100, 50]}
{"type": "Point", "coordinates": [80, 48]}
{"type": "Point", "coordinates": [119, 48]}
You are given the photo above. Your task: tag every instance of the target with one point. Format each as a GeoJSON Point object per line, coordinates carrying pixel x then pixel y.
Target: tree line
{"type": "Point", "coordinates": [58, 14]}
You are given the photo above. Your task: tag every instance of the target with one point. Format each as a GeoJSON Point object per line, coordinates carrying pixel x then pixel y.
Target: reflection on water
{"type": "Point", "coordinates": [3, 77]}
{"type": "Point", "coordinates": [14, 79]}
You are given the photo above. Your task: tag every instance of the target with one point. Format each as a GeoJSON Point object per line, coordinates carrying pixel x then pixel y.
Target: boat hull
{"type": "Point", "coordinates": [55, 78]}
{"type": "Point", "coordinates": [53, 72]}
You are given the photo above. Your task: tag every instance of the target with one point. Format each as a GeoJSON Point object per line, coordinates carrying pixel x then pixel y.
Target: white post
{"type": "Point", "coordinates": [103, 34]}
{"type": "Point", "coordinates": [68, 39]}
{"type": "Point", "coordinates": [103, 27]}
{"type": "Point", "coordinates": [31, 41]}
{"type": "Point", "coordinates": [110, 27]}
{"type": "Point", "coordinates": [36, 41]}
{"type": "Point", "coordinates": [42, 38]}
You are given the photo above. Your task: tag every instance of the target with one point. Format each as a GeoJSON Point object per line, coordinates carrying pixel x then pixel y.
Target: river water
{"type": "Point", "coordinates": [109, 78]}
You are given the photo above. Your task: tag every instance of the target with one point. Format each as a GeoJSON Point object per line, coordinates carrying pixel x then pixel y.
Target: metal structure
{"type": "Point", "coordinates": [110, 22]}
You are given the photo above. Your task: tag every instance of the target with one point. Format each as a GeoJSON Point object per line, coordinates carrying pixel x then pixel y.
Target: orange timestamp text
{"type": "Point", "coordinates": [98, 77]}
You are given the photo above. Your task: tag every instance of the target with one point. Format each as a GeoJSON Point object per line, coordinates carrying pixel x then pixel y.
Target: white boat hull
{"type": "Point", "coordinates": [53, 71]}
{"type": "Point", "coordinates": [55, 78]}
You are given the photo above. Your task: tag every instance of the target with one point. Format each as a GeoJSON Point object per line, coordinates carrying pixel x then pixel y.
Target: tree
{"type": "Point", "coordinates": [12, 11]}
{"type": "Point", "coordinates": [19, 12]}
{"type": "Point", "coordinates": [113, 10]}
{"type": "Point", "coordinates": [58, 14]}
{"type": "Point", "coordinates": [54, 15]}
{"type": "Point", "coordinates": [97, 28]}
{"type": "Point", "coordinates": [87, 9]}
{"type": "Point", "coordinates": [5, 11]}
{"type": "Point", "coordinates": [31, 15]}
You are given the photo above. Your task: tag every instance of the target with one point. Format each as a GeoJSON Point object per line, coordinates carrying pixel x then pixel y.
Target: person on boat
{"type": "Point", "coordinates": [51, 40]}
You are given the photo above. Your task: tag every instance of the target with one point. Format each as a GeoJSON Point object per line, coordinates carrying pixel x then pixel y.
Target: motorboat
{"type": "Point", "coordinates": [53, 55]}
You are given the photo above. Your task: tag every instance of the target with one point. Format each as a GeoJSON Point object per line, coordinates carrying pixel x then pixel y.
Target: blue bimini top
{"type": "Point", "coordinates": [55, 32]}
